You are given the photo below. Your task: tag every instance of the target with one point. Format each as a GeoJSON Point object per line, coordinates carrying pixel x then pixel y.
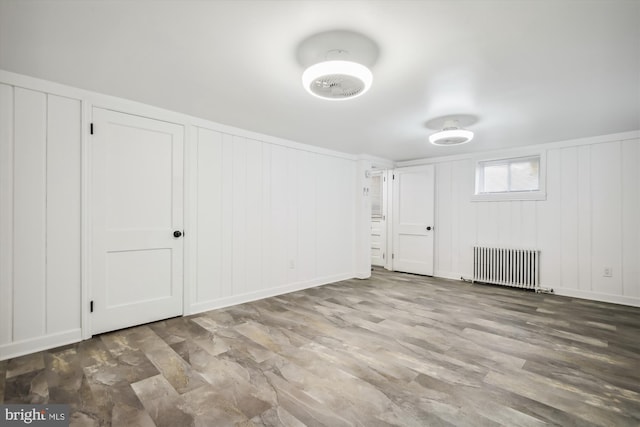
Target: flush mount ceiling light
{"type": "Point", "coordinates": [337, 64]}
{"type": "Point", "coordinates": [451, 134]}
{"type": "Point", "coordinates": [337, 80]}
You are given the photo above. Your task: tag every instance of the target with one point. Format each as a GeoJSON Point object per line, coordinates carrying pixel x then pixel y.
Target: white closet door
{"type": "Point", "coordinates": [413, 212]}
{"type": "Point", "coordinates": [136, 208]}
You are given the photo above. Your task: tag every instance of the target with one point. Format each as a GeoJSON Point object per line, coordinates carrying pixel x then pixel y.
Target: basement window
{"type": "Point", "coordinates": [515, 178]}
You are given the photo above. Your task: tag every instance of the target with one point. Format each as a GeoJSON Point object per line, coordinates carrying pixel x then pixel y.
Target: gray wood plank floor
{"type": "Point", "coordinates": [396, 349]}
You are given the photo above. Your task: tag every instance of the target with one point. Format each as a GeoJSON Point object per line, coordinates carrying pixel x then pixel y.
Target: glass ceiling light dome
{"type": "Point", "coordinates": [337, 80]}
{"type": "Point", "coordinates": [451, 134]}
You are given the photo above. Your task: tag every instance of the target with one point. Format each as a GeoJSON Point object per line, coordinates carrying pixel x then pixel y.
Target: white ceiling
{"type": "Point", "coordinates": [530, 71]}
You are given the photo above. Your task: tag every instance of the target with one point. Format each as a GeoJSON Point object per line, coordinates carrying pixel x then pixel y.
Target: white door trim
{"type": "Point", "coordinates": [420, 230]}
{"type": "Point", "coordinates": [85, 221]}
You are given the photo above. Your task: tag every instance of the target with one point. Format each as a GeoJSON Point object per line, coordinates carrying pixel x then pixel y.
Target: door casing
{"type": "Point", "coordinates": [413, 219]}
{"type": "Point", "coordinates": [152, 244]}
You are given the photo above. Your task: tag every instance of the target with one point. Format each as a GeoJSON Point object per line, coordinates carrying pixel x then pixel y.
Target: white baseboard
{"type": "Point", "coordinates": [363, 274]}
{"type": "Point", "coordinates": [448, 275]}
{"type": "Point", "coordinates": [597, 296]}
{"type": "Point", "coordinates": [32, 345]}
{"type": "Point", "coordinates": [265, 293]}
{"type": "Point", "coordinates": [568, 292]}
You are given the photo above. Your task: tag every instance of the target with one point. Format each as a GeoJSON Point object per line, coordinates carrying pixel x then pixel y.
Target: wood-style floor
{"type": "Point", "coordinates": [396, 349]}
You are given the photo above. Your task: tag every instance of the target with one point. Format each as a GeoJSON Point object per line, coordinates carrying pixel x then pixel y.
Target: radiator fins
{"type": "Point", "coordinates": [518, 268]}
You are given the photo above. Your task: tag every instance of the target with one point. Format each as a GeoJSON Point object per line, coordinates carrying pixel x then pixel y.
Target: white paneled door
{"type": "Point", "coordinates": [413, 212]}
{"type": "Point", "coordinates": [136, 220]}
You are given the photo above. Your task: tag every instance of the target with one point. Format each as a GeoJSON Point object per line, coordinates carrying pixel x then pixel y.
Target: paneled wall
{"type": "Point", "coordinates": [589, 221]}
{"type": "Point", "coordinates": [266, 218]}
{"type": "Point", "coordinates": [40, 172]}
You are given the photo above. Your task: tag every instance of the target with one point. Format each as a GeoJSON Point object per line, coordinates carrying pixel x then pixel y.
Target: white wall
{"type": "Point", "coordinates": [40, 187]}
{"type": "Point", "coordinates": [266, 218]}
{"type": "Point", "coordinates": [589, 220]}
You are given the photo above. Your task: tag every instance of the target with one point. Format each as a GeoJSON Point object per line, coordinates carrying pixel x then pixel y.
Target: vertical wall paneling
{"type": "Point", "coordinates": [335, 203]}
{"type": "Point", "coordinates": [464, 223]}
{"type": "Point", "coordinates": [260, 215]}
{"type": "Point", "coordinates": [515, 220]}
{"type": "Point", "coordinates": [279, 211]}
{"type": "Point", "coordinates": [606, 233]}
{"type": "Point", "coordinates": [455, 218]}
{"type": "Point", "coordinates": [487, 226]}
{"type": "Point", "coordinates": [584, 218]}
{"type": "Point", "coordinates": [630, 213]}
{"type": "Point", "coordinates": [30, 152]}
{"type": "Point", "coordinates": [550, 223]}
{"type": "Point", "coordinates": [343, 199]}
{"type": "Point", "coordinates": [505, 229]}
{"type": "Point", "coordinates": [6, 214]}
{"type": "Point", "coordinates": [444, 219]}
{"type": "Point", "coordinates": [293, 173]}
{"type": "Point", "coordinates": [587, 222]}
{"type": "Point", "coordinates": [240, 206]}
{"type": "Point", "coordinates": [208, 202]}
{"type": "Point", "coordinates": [267, 232]}
{"type": "Point", "coordinates": [306, 189]}
{"type": "Point", "coordinates": [529, 226]}
{"type": "Point", "coordinates": [264, 216]}
{"type": "Point", "coordinates": [40, 220]}
{"type": "Point", "coordinates": [324, 212]}
{"type": "Point", "coordinates": [568, 215]}
{"type": "Point", "coordinates": [63, 248]}
{"type": "Point", "coordinates": [253, 235]}
{"type": "Point", "coordinates": [362, 216]}
{"type": "Point", "coordinates": [226, 288]}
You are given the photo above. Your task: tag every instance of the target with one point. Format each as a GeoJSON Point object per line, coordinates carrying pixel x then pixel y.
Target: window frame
{"type": "Point", "coordinates": [540, 194]}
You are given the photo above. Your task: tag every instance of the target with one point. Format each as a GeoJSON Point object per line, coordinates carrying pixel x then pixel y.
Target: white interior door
{"type": "Point", "coordinates": [136, 207]}
{"type": "Point", "coordinates": [413, 201]}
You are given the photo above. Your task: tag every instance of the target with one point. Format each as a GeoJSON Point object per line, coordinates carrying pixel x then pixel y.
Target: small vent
{"type": "Point", "coordinates": [336, 86]}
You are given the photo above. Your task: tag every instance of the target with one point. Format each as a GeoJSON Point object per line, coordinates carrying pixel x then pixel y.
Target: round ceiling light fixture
{"type": "Point", "coordinates": [337, 64]}
{"type": "Point", "coordinates": [337, 80]}
{"type": "Point", "coordinates": [451, 134]}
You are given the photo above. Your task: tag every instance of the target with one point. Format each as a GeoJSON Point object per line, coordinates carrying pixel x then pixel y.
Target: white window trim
{"type": "Point", "coordinates": [540, 194]}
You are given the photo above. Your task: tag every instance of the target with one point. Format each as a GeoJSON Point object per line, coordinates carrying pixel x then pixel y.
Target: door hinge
{"type": "Point", "coordinates": [393, 256]}
{"type": "Point", "coordinates": [393, 176]}
{"type": "Point", "coordinates": [382, 256]}
{"type": "Point", "coordinates": [91, 128]}
{"type": "Point", "coordinates": [91, 307]}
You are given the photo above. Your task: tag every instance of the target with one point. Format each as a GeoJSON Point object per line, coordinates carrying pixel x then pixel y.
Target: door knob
{"type": "Point", "coordinates": [429, 228]}
{"type": "Point", "coordinates": [177, 233]}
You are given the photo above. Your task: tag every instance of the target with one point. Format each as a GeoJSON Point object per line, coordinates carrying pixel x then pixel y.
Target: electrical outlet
{"type": "Point", "coordinates": [607, 272]}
